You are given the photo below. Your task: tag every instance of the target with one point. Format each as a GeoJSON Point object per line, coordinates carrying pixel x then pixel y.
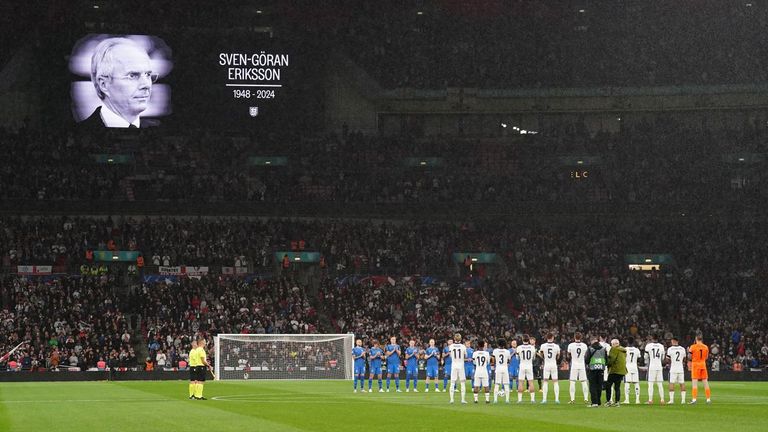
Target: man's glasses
{"type": "Point", "coordinates": [135, 76]}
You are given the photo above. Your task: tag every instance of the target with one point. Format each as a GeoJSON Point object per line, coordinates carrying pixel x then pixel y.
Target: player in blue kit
{"type": "Point", "coordinates": [411, 366]}
{"type": "Point", "coordinates": [374, 365]}
{"type": "Point", "coordinates": [393, 362]}
{"type": "Point", "coordinates": [447, 364]}
{"type": "Point", "coordinates": [469, 366]}
{"type": "Point", "coordinates": [433, 364]}
{"type": "Point", "coordinates": [514, 365]}
{"type": "Point", "coordinates": [358, 354]}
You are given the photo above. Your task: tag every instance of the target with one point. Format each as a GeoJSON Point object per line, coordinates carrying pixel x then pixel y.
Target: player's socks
{"type": "Point", "coordinates": [637, 393]}
{"type": "Point", "coordinates": [370, 383]}
{"type": "Point", "coordinates": [506, 392]}
{"type": "Point", "coordinates": [445, 383]}
{"type": "Point", "coordinates": [407, 382]}
{"type": "Point", "coordinates": [672, 396]}
{"type": "Point", "coordinates": [533, 396]}
{"type": "Point", "coordinates": [682, 396]}
{"type": "Point", "coordinates": [415, 383]}
{"type": "Point", "coordinates": [198, 390]}
{"type": "Point", "coordinates": [585, 390]}
{"type": "Point", "coordinates": [191, 390]}
{"type": "Point", "coordinates": [487, 397]}
{"type": "Point", "coordinates": [626, 393]}
{"type": "Point", "coordinates": [463, 393]}
{"type": "Point", "coordinates": [397, 382]}
{"type": "Point", "coordinates": [546, 390]}
{"type": "Point", "coordinates": [519, 396]}
{"type": "Point", "coordinates": [475, 396]}
{"type": "Point", "coordinates": [708, 392]}
{"type": "Point", "coordinates": [388, 379]}
{"type": "Point", "coordinates": [380, 384]}
{"type": "Point", "coordinates": [572, 390]}
{"type": "Point", "coordinates": [661, 391]}
{"type": "Point", "coordinates": [650, 391]}
{"type": "Point", "coordinates": [451, 391]}
{"type": "Point", "coordinates": [557, 391]}
{"type": "Point", "coordinates": [437, 387]}
{"type": "Point", "coordinates": [694, 393]}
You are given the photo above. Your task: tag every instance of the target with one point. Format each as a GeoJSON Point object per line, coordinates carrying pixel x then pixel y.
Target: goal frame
{"type": "Point", "coordinates": [348, 364]}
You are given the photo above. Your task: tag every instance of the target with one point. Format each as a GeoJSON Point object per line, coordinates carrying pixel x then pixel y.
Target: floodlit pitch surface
{"type": "Point", "coordinates": [331, 406]}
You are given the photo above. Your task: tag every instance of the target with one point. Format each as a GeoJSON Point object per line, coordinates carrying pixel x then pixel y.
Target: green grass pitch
{"type": "Point", "coordinates": [331, 406]}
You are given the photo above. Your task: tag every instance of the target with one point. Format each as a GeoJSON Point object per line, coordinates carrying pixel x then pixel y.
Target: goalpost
{"type": "Point", "coordinates": [283, 356]}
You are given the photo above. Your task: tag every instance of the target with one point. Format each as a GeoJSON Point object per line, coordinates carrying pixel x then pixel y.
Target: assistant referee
{"type": "Point", "coordinates": [193, 362]}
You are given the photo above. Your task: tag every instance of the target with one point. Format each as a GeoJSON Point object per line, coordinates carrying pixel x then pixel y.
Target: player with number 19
{"type": "Point", "coordinates": [411, 366]}
{"type": "Point", "coordinates": [358, 354]}
{"type": "Point", "coordinates": [481, 359]}
{"type": "Point", "coordinates": [433, 364]}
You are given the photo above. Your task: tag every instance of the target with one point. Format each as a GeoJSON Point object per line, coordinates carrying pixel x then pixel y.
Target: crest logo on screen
{"type": "Point", "coordinates": [253, 111]}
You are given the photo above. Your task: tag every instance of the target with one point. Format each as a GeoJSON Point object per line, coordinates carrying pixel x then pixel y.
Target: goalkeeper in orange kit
{"type": "Point", "coordinates": [699, 354]}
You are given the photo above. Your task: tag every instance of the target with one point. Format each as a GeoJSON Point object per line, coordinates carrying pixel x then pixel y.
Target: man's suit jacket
{"type": "Point", "coordinates": [94, 122]}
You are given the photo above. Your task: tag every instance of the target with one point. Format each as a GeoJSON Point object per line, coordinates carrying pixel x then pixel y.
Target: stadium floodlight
{"type": "Point", "coordinates": [283, 356]}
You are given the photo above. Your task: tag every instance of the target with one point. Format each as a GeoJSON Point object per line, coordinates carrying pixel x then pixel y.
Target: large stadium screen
{"type": "Point", "coordinates": [141, 81]}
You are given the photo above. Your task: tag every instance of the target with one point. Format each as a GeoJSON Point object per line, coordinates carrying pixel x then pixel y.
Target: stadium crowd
{"type": "Point", "coordinates": [555, 277]}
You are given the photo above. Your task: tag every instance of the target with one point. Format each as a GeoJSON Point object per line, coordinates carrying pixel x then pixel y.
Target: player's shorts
{"type": "Point", "coordinates": [676, 378]}
{"type": "Point", "coordinates": [359, 370]}
{"type": "Point", "coordinates": [469, 371]}
{"type": "Point", "coordinates": [412, 371]}
{"type": "Point", "coordinates": [502, 376]}
{"type": "Point", "coordinates": [655, 375]}
{"type": "Point", "coordinates": [375, 370]}
{"type": "Point", "coordinates": [393, 369]}
{"type": "Point", "coordinates": [550, 373]}
{"type": "Point", "coordinates": [447, 370]}
{"type": "Point", "coordinates": [458, 374]}
{"type": "Point", "coordinates": [481, 380]}
{"type": "Point", "coordinates": [699, 371]}
{"type": "Point", "coordinates": [514, 372]}
{"type": "Point", "coordinates": [432, 371]}
{"type": "Point", "coordinates": [578, 374]}
{"type": "Point", "coordinates": [526, 373]}
{"type": "Point", "coordinates": [632, 376]}
{"type": "Point", "coordinates": [193, 373]}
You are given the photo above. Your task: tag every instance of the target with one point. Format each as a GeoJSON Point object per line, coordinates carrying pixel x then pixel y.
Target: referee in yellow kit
{"type": "Point", "coordinates": [202, 367]}
{"type": "Point", "coordinates": [193, 363]}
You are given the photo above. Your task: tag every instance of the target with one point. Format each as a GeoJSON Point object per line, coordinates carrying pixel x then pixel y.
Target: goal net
{"type": "Point", "coordinates": [283, 356]}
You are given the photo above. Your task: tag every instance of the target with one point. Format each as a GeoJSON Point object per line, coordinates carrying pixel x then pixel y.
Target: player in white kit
{"type": "Point", "coordinates": [550, 351]}
{"type": "Point", "coordinates": [482, 359]}
{"type": "Point", "coordinates": [655, 352]}
{"type": "Point", "coordinates": [526, 352]}
{"type": "Point", "coordinates": [501, 357]}
{"type": "Point", "coordinates": [633, 375]}
{"type": "Point", "coordinates": [458, 353]}
{"type": "Point", "coordinates": [677, 357]}
{"type": "Point", "coordinates": [576, 351]}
